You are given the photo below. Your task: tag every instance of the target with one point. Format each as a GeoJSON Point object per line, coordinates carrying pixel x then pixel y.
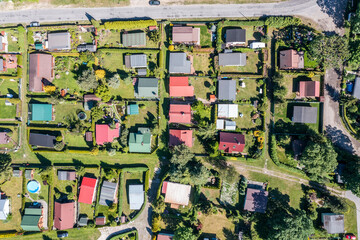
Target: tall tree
{"type": "Point", "coordinates": [207, 133]}
{"type": "Point", "coordinates": [279, 89]}
{"type": "Point", "coordinates": [181, 155]}
{"type": "Point", "coordinates": [184, 233]}
{"type": "Point", "coordinates": [87, 80]}
{"type": "Point", "coordinates": [5, 169]}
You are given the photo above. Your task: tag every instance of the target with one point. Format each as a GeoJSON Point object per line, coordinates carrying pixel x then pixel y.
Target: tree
{"type": "Point", "coordinates": [87, 80]}
{"type": "Point", "coordinates": [207, 133]}
{"type": "Point", "coordinates": [319, 159]}
{"type": "Point", "coordinates": [5, 169]}
{"type": "Point", "coordinates": [124, 137]}
{"type": "Point", "coordinates": [279, 90]}
{"type": "Point", "coordinates": [330, 51]}
{"type": "Point", "coordinates": [103, 92]}
{"type": "Point", "coordinates": [159, 205]}
{"type": "Point", "coordinates": [353, 109]}
{"type": "Point", "coordinates": [110, 174]}
{"type": "Point", "coordinates": [96, 113]}
{"type": "Point", "coordinates": [154, 35]}
{"type": "Point", "coordinates": [181, 155]}
{"type": "Point", "coordinates": [100, 73]}
{"type": "Point", "coordinates": [59, 146]}
{"type": "Point", "coordinates": [184, 233]}
{"type": "Point", "coordinates": [156, 223]}
{"type": "Point", "coordinates": [114, 81]}
{"type": "Point", "coordinates": [199, 175]}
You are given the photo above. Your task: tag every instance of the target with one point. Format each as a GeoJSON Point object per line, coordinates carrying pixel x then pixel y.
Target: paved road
{"type": "Point", "coordinates": [326, 13]}
{"type": "Point", "coordinates": [333, 126]}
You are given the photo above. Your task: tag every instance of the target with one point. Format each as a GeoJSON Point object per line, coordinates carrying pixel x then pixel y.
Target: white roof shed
{"type": "Point", "coordinates": [255, 45]}
{"type": "Point", "coordinates": [4, 208]}
{"type": "Point", "coordinates": [228, 110]}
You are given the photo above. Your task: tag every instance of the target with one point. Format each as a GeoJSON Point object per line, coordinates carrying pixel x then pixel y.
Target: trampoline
{"type": "Point", "coordinates": [33, 186]}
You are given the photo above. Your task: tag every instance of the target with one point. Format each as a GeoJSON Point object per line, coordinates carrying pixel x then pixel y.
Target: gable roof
{"type": "Point", "coordinates": [179, 87]}
{"type": "Point", "coordinates": [235, 35]}
{"type": "Point", "coordinates": [165, 236]}
{"type": "Point", "coordinates": [83, 221]}
{"type": "Point", "coordinates": [87, 190]}
{"type": "Point", "coordinates": [138, 61]}
{"type": "Point", "coordinates": [309, 89]}
{"type": "Point", "coordinates": [231, 142]}
{"type": "Point", "coordinates": [147, 87]}
{"type": "Point", "coordinates": [227, 89]}
{"type": "Point", "coordinates": [30, 219]}
{"type": "Point", "coordinates": [40, 67]}
{"type": "Point", "coordinates": [180, 113]}
{"type": "Point", "coordinates": [41, 112]}
{"type": "Point", "coordinates": [140, 141]}
{"type": "Point", "coordinates": [186, 35]}
{"type": "Point", "coordinates": [4, 208]}
{"type": "Point", "coordinates": [176, 193]}
{"type": "Point", "coordinates": [104, 134]}
{"type": "Point", "coordinates": [133, 39]}
{"type": "Point", "coordinates": [179, 63]}
{"type": "Point", "coordinates": [107, 194]}
{"type": "Point", "coordinates": [232, 59]}
{"type": "Point", "coordinates": [101, 220]}
{"type": "Point", "coordinates": [42, 140]}
{"type": "Point", "coordinates": [136, 196]}
{"type": "Point", "coordinates": [228, 110]}
{"type": "Point", "coordinates": [59, 41]}
{"type": "Point", "coordinates": [67, 175]}
{"type": "Point", "coordinates": [356, 91]}
{"type": "Point", "coordinates": [291, 59]}
{"type": "Point", "coordinates": [256, 200]}
{"type": "Point", "coordinates": [64, 215]}
{"type": "Point", "coordinates": [333, 223]}
{"type": "Point", "coordinates": [178, 137]}
{"type": "Point", "coordinates": [304, 114]}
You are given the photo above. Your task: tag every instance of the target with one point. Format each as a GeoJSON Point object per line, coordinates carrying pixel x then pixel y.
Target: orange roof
{"type": "Point", "coordinates": [179, 87]}
{"type": "Point", "coordinates": [178, 137]}
{"type": "Point", "coordinates": [180, 113]}
{"type": "Point", "coordinates": [64, 215]}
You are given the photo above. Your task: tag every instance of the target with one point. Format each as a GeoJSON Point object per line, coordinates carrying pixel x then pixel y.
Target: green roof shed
{"type": "Point", "coordinates": [147, 88]}
{"type": "Point", "coordinates": [140, 142]}
{"type": "Point", "coordinates": [40, 112]}
{"type": "Point", "coordinates": [31, 219]}
{"type": "Point", "coordinates": [133, 39]}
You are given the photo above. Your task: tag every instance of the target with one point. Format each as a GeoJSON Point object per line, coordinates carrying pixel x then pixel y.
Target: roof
{"type": "Point", "coordinates": [40, 67]}
{"type": "Point", "coordinates": [41, 112]}
{"type": "Point", "coordinates": [180, 113]}
{"type": "Point", "coordinates": [256, 200]}
{"type": "Point", "coordinates": [147, 87]}
{"type": "Point", "coordinates": [227, 89]}
{"type": "Point", "coordinates": [298, 146]}
{"type": "Point", "coordinates": [179, 87]}
{"type": "Point", "coordinates": [86, 47]}
{"type": "Point", "coordinates": [177, 193]}
{"type": "Point", "coordinates": [107, 194]}
{"type": "Point", "coordinates": [100, 220]}
{"type": "Point", "coordinates": [333, 223]}
{"type": "Point", "coordinates": [28, 173]}
{"type": "Point", "coordinates": [2, 64]}
{"type": "Point", "coordinates": [186, 35]}
{"type": "Point", "coordinates": [89, 136]}
{"type": "Point", "coordinates": [291, 59]}
{"type": "Point", "coordinates": [133, 39]}
{"type": "Point", "coordinates": [356, 91]}
{"type": "Point", "coordinates": [231, 142]}
{"type": "Point", "coordinates": [165, 236]}
{"type": "Point", "coordinates": [87, 190]}
{"type": "Point", "coordinates": [140, 141]}
{"type": "Point", "coordinates": [133, 109]}
{"type": "Point", "coordinates": [66, 175]}
{"type": "Point", "coordinates": [59, 41]}
{"type": "Point", "coordinates": [178, 137]}
{"type": "Point", "coordinates": [142, 71]}
{"type": "Point", "coordinates": [104, 134]}
{"type": "Point", "coordinates": [42, 140]}
{"type": "Point", "coordinates": [232, 59]}
{"type": "Point", "coordinates": [179, 63]}
{"type": "Point", "coordinates": [257, 45]}
{"type": "Point", "coordinates": [304, 114]}
{"type": "Point", "coordinates": [90, 101]}
{"type": "Point", "coordinates": [138, 61]}
{"type": "Point", "coordinates": [228, 110]}
{"type": "Point", "coordinates": [64, 215]}
{"type": "Point", "coordinates": [17, 173]}
{"type": "Point", "coordinates": [4, 208]}
{"type": "Point", "coordinates": [136, 196]}
{"type": "Point", "coordinates": [83, 221]}
{"type": "Point", "coordinates": [30, 219]}
{"type": "Point", "coordinates": [235, 35]}
{"type": "Point", "coordinates": [309, 88]}
{"type": "Point", "coordinates": [230, 125]}
{"type": "Point", "coordinates": [4, 138]}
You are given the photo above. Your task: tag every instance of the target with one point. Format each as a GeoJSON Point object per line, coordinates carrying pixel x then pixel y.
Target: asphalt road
{"type": "Point", "coordinates": [326, 13]}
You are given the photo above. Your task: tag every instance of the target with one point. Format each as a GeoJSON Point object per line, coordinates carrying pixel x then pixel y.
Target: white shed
{"type": "Point", "coordinates": [255, 45]}
{"type": "Point", "coordinates": [4, 208]}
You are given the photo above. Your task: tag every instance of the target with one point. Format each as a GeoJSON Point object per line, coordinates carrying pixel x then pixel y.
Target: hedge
{"type": "Point", "coordinates": [121, 181]}
{"type": "Point", "coordinates": [135, 169]}
{"type": "Point", "coordinates": [65, 54]}
{"type": "Point", "coordinates": [147, 180]}
{"type": "Point", "coordinates": [280, 22]}
{"type": "Point", "coordinates": [217, 186]}
{"type": "Point", "coordinates": [129, 25]}
{"type": "Point", "coordinates": [161, 183]}
{"type": "Point", "coordinates": [255, 23]}
{"type": "Point", "coordinates": [125, 51]}
{"type": "Point", "coordinates": [123, 235]}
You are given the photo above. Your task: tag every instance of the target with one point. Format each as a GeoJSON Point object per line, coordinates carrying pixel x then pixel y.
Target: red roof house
{"type": "Point", "coordinates": [64, 215]}
{"type": "Point", "coordinates": [87, 190]}
{"type": "Point", "coordinates": [180, 113]}
{"type": "Point", "coordinates": [231, 142]}
{"type": "Point", "coordinates": [41, 71]}
{"type": "Point", "coordinates": [291, 59]}
{"type": "Point", "coordinates": [178, 137]}
{"type": "Point", "coordinates": [309, 88]}
{"type": "Point", "coordinates": [179, 87]}
{"type": "Point", "coordinates": [104, 134]}
{"type": "Point", "coordinates": [101, 220]}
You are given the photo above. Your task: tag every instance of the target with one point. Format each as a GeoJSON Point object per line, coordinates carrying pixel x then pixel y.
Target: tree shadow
{"type": "Point", "coordinates": [339, 139]}
{"type": "Point", "coordinates": [335, 10]}
{"type": "Point", "coordinates": [333, 93]}
{"type": "Point", "coordinates": [229, 235]}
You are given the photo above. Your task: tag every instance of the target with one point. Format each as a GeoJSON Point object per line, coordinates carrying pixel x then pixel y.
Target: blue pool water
{"type": "Point", "coordinates": [33, 186]}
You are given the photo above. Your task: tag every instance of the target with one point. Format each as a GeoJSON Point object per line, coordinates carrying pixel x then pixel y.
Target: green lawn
{"type": "Point", "coordinates": [201, 86]}
{"type": "Point", "coordinates": [251, 67]}
{"type": "Point", "coordinates": [197, 146]}
{"type": "Point", "coordinates": [308, 63]}
{"type": "Point", "coordinates": [285, 156]}
{"type": "Point", "coordinates": [125, 90]}
{"type": "Point", "coordinates": [112, 61]}
{"type": "Point", "coordinates": [14, 136]}
{"type": "Point", "coordinates": [205, 36]}
{"type": "Point", "coordinates": [146, 116]}
{"type": "Point", "coordinates": [13, 45]}
{"type": "Point", "coordinates": [292, 83]}
{"type": "Point", "coordinates": [201, 62]}
{"type": "Point", "coordinates": [65, 68]}
{"type": "Point", "coordinates": [66, 109]}
{"type": "Point", "coordinates": [86, 209]}
{"type": "Point", "coordinates": [9, 86]}
{"type": "Point", "coordinates": [217, 224]}
{"type": "Point", "coordinates": [249, 143]}
{"type": "Point", "coordinates": [211, 194]}
{"type": "Point", "coordinates": [64, 186]}
{"type": "Point", "coordinates": [250, 91]}
{"type": "Point", "coordinates": [7, 112]}
{"type": "Point", "coordinates": [75, 140]}
{"type": "Point", "coordinates": [246, 122]}
{"type": "Point", "coordinates": [109, 38]}
{"type": "Point", "coordinates": [74, 234]}
{"type": "Point", "coordinates": [43, 194]}
{"type": "Point", "coordinates": [130, 178]}
{"type": "Point", "coordinates": [86, 37]}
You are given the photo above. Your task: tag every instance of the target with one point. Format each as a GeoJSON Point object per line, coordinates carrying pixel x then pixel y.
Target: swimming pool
{"type": "Point", "coordinates": [33, 186]}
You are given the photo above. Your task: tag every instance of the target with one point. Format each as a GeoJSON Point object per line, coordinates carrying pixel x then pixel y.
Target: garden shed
{"type": "Point", "coordinates": [303, 114]}
{"type": "Point", "coordinates": [176, 194]}
{"type": "Point", "coordinates": [108, 193]}
{"type": "Point", "coordinates": [256, 200]}
{"type": "Point", "coordinates": [136, 196]}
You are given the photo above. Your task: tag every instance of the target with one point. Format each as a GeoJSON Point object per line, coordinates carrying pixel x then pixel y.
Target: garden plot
{"type": "Point", "coordinates": [66, 112]}
{"type": "Point", "coordinates": [66, 188]}
{"type": "Point", "coordinates": [7, 112]}
{"type": "Point", "coordinates": [250, 119]}
{"type": "Point", "coordinates": [111, 61]}
{"type": "Point", "coordinates": [202, 86]}
{"type": "Point", "coordinates": [13, 134]}
{"type": "Point", "coordinates": [9, 86]}
{"type": "Point", "coordinates": [65, 73]}
{"type": "Point", "coordinates": [291, 82]}
{"type": "Point", "coordinates": [250, 91]}
{"type": "Point", "coordinates": [201, 62]}
{"type": "Point", "coordinates": [205, 36]}
{"type": "Point", "coordinates": [12, 38]}
{"type": "Point", "coordinates": [147, 114]}
{"type": "Point", "coordinates": [88, 209]}
{"type": "Point", "coordinates": [229, 193]}
{"type": "Point", "coordinates": [216, 224]}
{"type": "Point", "coordinates": [43, 194]}
{"type": "Point", "coordinates": [253, 65]}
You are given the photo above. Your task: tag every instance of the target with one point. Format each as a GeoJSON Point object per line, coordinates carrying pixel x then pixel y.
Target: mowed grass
{"type": "Point", "coordinates": [146, 115]}
{"type": "Point", "coordinates": [12, 188]}
{"type": "Point", "coordinates": [112, 61]}
{"type": "Point", "coordinates": [205, 36]}
{"type": "Point", "coordinates": [75, 140]}
{"type": "Point", "coordinates": [124, 90]}
{"type": "Point", "coordinates": [9, 86]}
{"type": "Point", "coordinates": [197, 146]}
{"type": "Point", "coordinates": [201, 62]}
{"type": "Point", "coordinates": [246, 121]}
{"type": "Point", "coordinates": [109, 38]}
{"type": "Point", "coordinates": [67, 109]}
{"type": "Point", "coordinates": [251, 67]}
{"type": "Point", "coordinates": [250, 91]}
{"type": "Point", "coordinates": [74, 234]}
{"type": "Point", "coordinates": [216, 224]}
{"type": "Point", "coordinates": [7, 112]}
{"type": "Point", "coordinates": [201, 86]}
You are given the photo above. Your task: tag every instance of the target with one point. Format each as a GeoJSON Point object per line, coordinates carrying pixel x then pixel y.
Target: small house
{"type": "Point", "coordinates": [291, 59]}
{"type": "Point", "coordinates": [3, 42]}
{"type": "Point", "coordinates": [178, 137]}
{"type": "Point", "coordinates": [86, 47]}
{"type": "Point", "coordinates": [134, 39]}
{"type": "Point", "coordinates": [136, 196]}
{"type": "Point", "coordinates": [227, 89]}
{"type": "Point", "coordinates": [83, 221]}
{"type": "Point", "coordinates": [231, 142]}
{"type": "Point", "coordinates": [232, 59]}
{"type": "Point", "coordinates": [309, 89]}
{"type": "Point", "coordinates": [29, 173]}
{"type": "Point", "coordinates": [176, 194]}
{"type": "Point", "coordinates": [179, 87]}
{"type": "Point", "coordinates": [89, 136]}
{"type": "Point", "coordinates": [140, 141]}
{"type": "Point", "coordinates": [303, 114]}
{"type": "Point", "coordinates": [108, 193]}
{"type": "Point", "coordinates": [40, 112]}
{"type": "Point", "coordinates": [186, 35]}
{"type": "Point", "coordinates": [256, 200]}
{"type": "Point", "coordinates": [235, 36]}
{"type": "Point", "coordinates": [64, 215]}
{"type": "Point", "coordinates": [90, 101]}
{"type": "Point", "coordinates": [42, 140]}
{"type": "Point", "coordinates": [228, 110]}
{"type": "Point", "coordinates": [17, 173]}
{"type": "Point", "coordinates": [147, 88]}
{"type": "Point", "coordinates": [180, 113]}
{"type": "Point", "coordinates": [59, 41]}
{"type": "Point", "coordinates": [41, 71]}
{"type": "Point", "coordinates": [256, 45]}
{"type": "Point", "coordinates": [32, 220]}
{"type": "Point", "coordinates": [105, 134]}
{"type": "Point", "coordinates": [68, 175]}
{"type": "Point", "coordinates": [136, 61]}
{"type": "Point", "coordinates": [100, 221]}
{"type": "Point", "coordinates": [333, 223]}
{"type": "Point", "coordinates": [230, 125]}
{"type": "Point", "coordinates": [88, 190]}
{"type": "Point", "coordinates": [179, 63]}
{"type": "Point", "coordinates": [4, 208]}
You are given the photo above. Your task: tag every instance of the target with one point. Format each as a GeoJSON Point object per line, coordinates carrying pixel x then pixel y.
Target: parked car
{"type": "Point", "coordinates": [62, 234]}
{"type": "Point", "coordinates": [154, 2]}
{"type": "Point", "coordinates": [350, 236]}
{"type": "Point", "coordinates": [34, 24]}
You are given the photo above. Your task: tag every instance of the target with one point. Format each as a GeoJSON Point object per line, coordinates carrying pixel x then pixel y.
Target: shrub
{"type": "Point", "coordinates": [103, 92]}
{"type": "Point", "coordinates": [280, 22]}
{"type": "Point", "coordinates": [129, 24]}
{"type": "Point", "coordinates": [171, 48]}
{"type": "Point", "coordinates": [100, 73]}
{"type": "Point", "coordinates": [59, 146]}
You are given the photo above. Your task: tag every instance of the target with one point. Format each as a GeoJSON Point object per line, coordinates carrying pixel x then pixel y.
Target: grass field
{"type": "Point", "coordinates": [246, 121]}
{"type": "Point", "coordinates": [75, 140]}
{"type": "Point", "coordinates": [13, 45]}
{"type": "Point", "coordinates": [66, 109]}
{"type": "Point", "coordinates": [74, 234]}
{"type": "Point", "coordinates": [147, 114]}
{"type": "Point", "coordinates": [201, 86]}
{"type": "Point", "coordinates": [252, 65]}
{"type": "Point", "coordinates": [112, 61]}
{"type": "Point", "coordinates": [9, 86]}
{"type": "Point", "coordinates": [217, 224]}
{"type": "Point", "coordinates": [250, 91]}
{"type": "Point", "coordinates": [205, 36]}
{"type": "Point", "coordinates": [201, 62]}
{"type": "Point", "coordinates": [7, 112]}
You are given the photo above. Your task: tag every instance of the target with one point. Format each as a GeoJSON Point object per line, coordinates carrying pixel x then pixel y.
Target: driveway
{"type": "Point", "coordinates": [333, 126]}
{"type": "Point", "coordinates": [45, 213]}
{"type": "Point", "coordinates": [326, 13]}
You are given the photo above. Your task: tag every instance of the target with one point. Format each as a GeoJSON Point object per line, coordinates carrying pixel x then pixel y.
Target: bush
{"type": "Point", "coordinates": [273, 150]}
{"type": "Point", "coordinates": [59, 146]}
{"type": "Point", "coordinates": [129, 25]}
{"type": "Point", "coordinates": [280, 22]}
